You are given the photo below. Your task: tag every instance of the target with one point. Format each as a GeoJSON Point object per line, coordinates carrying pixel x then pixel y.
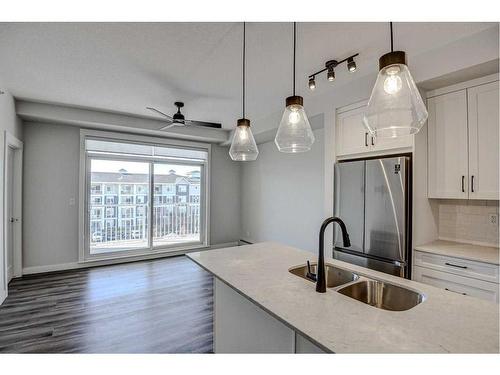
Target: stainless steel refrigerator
{"type": "Point", "coordinates": [373, 198]}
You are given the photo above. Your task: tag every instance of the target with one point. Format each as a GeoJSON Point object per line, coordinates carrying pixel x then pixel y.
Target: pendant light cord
{"type": "Point", "coordinates": [392, 38]}
{"type": "Point", "coordinates": [294, 49]}
{"type": "Point", "coordinates": [243, 86]}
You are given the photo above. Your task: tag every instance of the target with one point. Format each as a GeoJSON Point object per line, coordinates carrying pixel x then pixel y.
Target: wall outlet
{"type": "Point", "coordinates": [494, 219]}
{"type": "Point", "coordinates": [72, 201]}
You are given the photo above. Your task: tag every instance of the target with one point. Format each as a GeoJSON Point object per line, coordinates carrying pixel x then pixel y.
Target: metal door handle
{"type": "Point", "coordinates": [373, 143]}
{"type": "Point", "coordinates": [366, 139]}
{"type": "Point", "coordinates": [463, 184]}
{"type": "Point", "coordinates": [455, 265]}
{"type": "Point", "coordinates": [449, 290]}
{"type": "Point", "coordinates": [472, 184]}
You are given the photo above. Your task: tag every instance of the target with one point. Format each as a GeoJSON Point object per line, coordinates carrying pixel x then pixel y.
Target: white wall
{"type": "Point", "coordinates": [51, 168]}
{"type": "Point", "coordinates": [11, 123]}
{"type": "Point", "coordinates": [282, 195]}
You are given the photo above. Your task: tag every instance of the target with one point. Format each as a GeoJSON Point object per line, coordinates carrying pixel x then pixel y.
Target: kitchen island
{"type": "Point", "coordinates": [261, 307]}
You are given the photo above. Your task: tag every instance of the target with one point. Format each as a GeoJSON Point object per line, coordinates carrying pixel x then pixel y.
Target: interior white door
{"type": "Point", "coordinates": [483, 141]}
{"type": "Point", "coordinates": [9, 186]}
{"type": "Point", "coordinates": [447, 146]}
{"type": "Point", "coordinates": [352, 136]}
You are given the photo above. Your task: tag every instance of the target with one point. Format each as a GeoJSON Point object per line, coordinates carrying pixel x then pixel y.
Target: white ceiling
{"type": "Point", "coordinates": [127, 66]}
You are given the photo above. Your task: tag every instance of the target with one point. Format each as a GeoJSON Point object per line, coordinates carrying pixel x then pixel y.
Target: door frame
{"type": "Point", "coordinates": [17, 209]}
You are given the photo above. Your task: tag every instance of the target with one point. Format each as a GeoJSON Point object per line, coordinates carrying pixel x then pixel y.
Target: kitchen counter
{"type": "Point", "coordinates": [461, 250]}
{"type": "Point", "coordinates": [444, 323]}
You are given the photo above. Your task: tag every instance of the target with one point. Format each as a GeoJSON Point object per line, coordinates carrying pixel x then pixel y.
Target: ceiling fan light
{"type": "Point", "coordinates": [243, 146]}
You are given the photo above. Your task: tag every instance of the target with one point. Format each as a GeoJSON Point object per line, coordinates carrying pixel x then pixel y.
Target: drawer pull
{"type": "Point", "coordinates": [366, 139]}
{"type": "Point", "coordinates": [449, 290]}
{"type": "Point", "coordinates": [455, 265]}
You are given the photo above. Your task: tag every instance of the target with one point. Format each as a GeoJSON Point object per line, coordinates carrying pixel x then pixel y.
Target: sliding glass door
{"type": "Point", "coordinates": [176, 204]}
{"type": "Point", "coordinates": [143, 203]}
{"type": "Point", "coordinates": [119, 205]}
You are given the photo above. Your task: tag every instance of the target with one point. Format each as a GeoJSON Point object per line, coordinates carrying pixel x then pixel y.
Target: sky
{"type": "Point", "coordinates": [138, 167]}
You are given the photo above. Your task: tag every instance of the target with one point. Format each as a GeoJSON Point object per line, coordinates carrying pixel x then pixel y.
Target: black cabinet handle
{"type": "Point", "coordinates": [455, 265]}
{"type": "Point", "coordinates": [373, 143]}
{"type": "Point", "coordinates": [463, 184]}
{"type": "Point", "coordinates": [449, 290]}
{"type": "Point", "coordinates": [366, 139]}
{"type": "Point", "coordinates": [472, 184]}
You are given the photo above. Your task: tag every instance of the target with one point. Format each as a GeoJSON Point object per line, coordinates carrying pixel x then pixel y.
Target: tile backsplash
{"type": "Point", "coordinates": [469, 221]}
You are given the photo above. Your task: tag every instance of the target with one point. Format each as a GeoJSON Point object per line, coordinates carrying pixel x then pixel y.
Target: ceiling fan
{"type": "Point", "coordinates": [178, 119]}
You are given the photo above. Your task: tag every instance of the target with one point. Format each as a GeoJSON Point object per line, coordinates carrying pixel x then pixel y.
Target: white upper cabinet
{"type": "Point", "coordinates": [447, 145]}
{"type": "Point", "coordinates": [463, 141]}
{"type": "Point", "coordinates": [352, 138]}
{"type": "Point", "coordinates": [483, 141]}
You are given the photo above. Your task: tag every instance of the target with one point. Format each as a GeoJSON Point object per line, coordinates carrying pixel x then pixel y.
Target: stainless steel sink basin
{"type": "Point", "coordinates": [334, 276]}
{"type": "Point", "coordinates": [382, 295]}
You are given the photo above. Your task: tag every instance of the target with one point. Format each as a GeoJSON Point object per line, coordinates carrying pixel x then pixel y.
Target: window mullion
{"type": "Point", "coordinates": [151, 203]}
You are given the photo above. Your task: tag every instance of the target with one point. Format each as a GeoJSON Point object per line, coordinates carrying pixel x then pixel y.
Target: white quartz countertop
{"type": "Point", "coordinates": [444, 322]}
{"type": "Point", "coordinates": [461, 250]}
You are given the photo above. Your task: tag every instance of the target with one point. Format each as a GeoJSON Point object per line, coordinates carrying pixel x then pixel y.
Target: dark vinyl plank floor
{"type": "Point", "coordinates": [156, 306]}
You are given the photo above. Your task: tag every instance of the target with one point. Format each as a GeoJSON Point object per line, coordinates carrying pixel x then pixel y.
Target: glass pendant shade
{"type": "Point", "coordinates": [243, 146]}
{"type": "Point", "coordinates": [395, 107]}
{"type": "Point", "coordinates": [294, 133]}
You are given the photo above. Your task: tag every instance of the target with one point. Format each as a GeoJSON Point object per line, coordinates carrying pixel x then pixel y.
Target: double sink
{"type": "Point", "coordinates": [376, 293]}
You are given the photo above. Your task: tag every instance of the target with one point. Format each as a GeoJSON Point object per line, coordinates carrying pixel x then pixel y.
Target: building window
{"type": "Point", "coordinates": [96, 189]}
{"type": "Point", "coordinates": [132, 221]}
{"type": "Point", "coordinates": [126, 199]}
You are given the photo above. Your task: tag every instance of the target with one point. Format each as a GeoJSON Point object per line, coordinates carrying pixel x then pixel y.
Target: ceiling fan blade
{"type": "Point", "coordinates": [203, 123]}
{"type": "Point", "coordinates": [160, 112]}
{"type": "Point", "coordinates": [168, 126]}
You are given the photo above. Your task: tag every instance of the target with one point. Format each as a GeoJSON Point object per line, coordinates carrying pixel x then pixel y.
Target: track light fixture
{"type": "Point", "coordinates": [351, 65]}
{"type": "Point", "coordinates": [331, 74]}
{"type": "Point", "coordinates": [312, 83]}
{"type": "Point", "coordinates": [330, 66]}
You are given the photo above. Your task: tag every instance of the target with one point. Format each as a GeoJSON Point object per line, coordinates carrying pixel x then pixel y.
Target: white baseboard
{"type": "Point", "coordinates": [75, 265]}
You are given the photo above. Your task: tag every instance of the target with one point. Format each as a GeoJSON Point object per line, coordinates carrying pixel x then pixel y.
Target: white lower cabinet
{"type": "Point", "coordinates": [241, 326]}
{"type": "Point", "coordinates": [454, 274]}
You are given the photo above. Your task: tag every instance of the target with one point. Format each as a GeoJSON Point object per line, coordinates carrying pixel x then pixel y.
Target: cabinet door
{"type": "Point", "coordinates": [447, 146]}
{"type": "Point", "coordinates": [352, 136]}
{"type": "Point", "coordinates": [380, 144]}
{"type": "Point", "coordinates": [483, 141]}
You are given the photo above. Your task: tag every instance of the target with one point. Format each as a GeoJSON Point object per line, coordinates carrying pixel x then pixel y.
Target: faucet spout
{"type": "Point", "coordinates": [321, 277]}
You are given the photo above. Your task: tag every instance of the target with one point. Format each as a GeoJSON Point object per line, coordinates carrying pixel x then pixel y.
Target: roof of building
{"type": "Point", "coordinates": [137, 178]}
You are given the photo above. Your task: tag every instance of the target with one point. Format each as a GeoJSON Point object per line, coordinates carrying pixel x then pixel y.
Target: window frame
{"type": "Point", "coordinates": [84, 193]}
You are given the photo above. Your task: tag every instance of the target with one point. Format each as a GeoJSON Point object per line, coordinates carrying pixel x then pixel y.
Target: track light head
{"type": "Point", "coordinates": [312, 83]}
{"type": "Point", "coordinates": [331, 74]}
{"type": "Point", "coordinates": [351, 64]}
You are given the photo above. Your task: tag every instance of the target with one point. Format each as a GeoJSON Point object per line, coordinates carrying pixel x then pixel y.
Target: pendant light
{"type": "Point", "coordinates": [294, 133]}
{"type": "Point", "coordinates": [243, 146]}
{"type": "Point", "coordinates": [395, 107]}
